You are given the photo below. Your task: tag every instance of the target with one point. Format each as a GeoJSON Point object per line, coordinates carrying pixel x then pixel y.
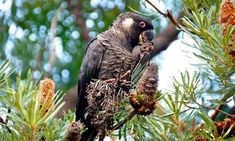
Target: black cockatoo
{"type": "Point", "coordinates": [106, 55]}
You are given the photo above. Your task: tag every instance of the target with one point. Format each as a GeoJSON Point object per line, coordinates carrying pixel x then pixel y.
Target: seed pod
{"type": "Point", "coordinates": [143, 98]}
{"type": "Point", "coordinates": [227, 18]}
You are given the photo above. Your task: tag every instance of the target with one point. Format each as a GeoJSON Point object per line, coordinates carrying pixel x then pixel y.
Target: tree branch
{"type": "Point", "coordinates": [39, 56]}
{"type": "Point", "coordinates": [218, 109]}
{"type": "Point", "coordinates": [76, 9]}
{"type": "Point", "coordinates": [166, 37]}
{"type": "Point", "coordinates": [129, 117]}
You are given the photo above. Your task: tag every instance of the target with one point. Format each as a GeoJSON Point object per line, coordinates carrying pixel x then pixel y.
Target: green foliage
{"type": "Point", "coordinates": [177, 113]}
{"type": "Point", "coordinates": [32, 40]}
{"type": "Point", "coordinates": [6, 69]}
{"type": "Point", "coordinates": [171, 116]}
{"type": "Point", "coordinates": [208, 35]}
{"type": "Point", "coordinates": [26, 117]}
{"type": "Point", "coordinates": [27, 39]}
{"type": "Point", "coordinates": [180, 111]}
{"type": "Point", "coordinates": [200, 5]}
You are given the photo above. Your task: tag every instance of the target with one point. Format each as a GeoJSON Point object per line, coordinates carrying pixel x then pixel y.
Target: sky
{"type": "Point", "coordinates": [177, 58]}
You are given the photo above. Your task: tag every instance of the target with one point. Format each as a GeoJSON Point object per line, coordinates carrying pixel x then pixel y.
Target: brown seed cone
{"type": "Point", "coordinates": [222, 127]}
{"type": "Point", "coordinates": [227, 17]}
{"type": "Point", "coordinates": [74, 132]}
{"type": "Point", "coordinates": [198, 138]}
{"type": "Point", "coordinates": [143, 99]}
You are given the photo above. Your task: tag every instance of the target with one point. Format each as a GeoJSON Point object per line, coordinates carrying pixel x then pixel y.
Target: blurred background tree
{"type": "Point", "coordinates": [50, 37]}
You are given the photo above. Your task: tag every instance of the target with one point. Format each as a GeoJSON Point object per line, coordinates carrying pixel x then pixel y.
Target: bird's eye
{"type": "Point", "coordinates": [142, 24]}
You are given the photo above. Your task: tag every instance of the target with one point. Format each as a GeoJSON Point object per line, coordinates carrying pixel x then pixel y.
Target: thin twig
{"type": "Point", "coordinates": [217, 110]}
{"type": "Point", "coordinates": [52, 36]}
{"type": "Point", "coordinates": [129, 117]}
{"type": "Point", "coordinates": [167, 14]}
{"type": "Point", "coordinates": [214, 115]}
{"type": "Point", "coordinates": [159, 11]}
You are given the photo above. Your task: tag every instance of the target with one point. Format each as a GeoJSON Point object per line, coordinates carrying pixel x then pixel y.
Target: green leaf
{"type": "Point", "coordinates": [208, 122]}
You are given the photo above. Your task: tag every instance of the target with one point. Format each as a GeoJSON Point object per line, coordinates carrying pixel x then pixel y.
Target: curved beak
{"type": "Point", "coordinates": [146, 36]}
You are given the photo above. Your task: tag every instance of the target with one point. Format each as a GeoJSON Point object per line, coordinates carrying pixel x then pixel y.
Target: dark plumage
{"type": "Point", "coordinates": [107, 55]}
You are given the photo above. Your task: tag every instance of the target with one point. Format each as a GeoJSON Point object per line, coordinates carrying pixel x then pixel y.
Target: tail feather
{"type": "Point", "coordinates": [89, 135]}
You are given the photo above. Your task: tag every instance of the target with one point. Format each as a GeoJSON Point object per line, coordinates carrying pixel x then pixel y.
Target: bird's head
{"type": "Point", "coordinates": [132, 25]}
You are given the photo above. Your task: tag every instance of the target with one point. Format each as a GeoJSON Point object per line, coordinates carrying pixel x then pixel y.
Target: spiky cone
{"type": "Point", "coordinates": [143, 98]}
{"type": "Point", "coordinates": [46, 94]}
{"type": "Point", "coordinates": [227, 18]}
{"type": "Point", "coordinates": [74, 131]}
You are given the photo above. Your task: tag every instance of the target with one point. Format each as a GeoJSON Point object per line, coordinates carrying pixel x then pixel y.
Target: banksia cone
{"type": "Point", "coordinates": [103, 99]}
{"type": "Point", "coordinates": [143, 99]}
{"type": "Point", "coordinates": [222, 128]}
{"type": "Point", "coordinates": [227, 17]}
{"type": "Point", "coordinates": [46, 93]}
{"type": "Point", "coordinates": [74, 132]}
{"type": "Point", "coordinates": [199, 138]}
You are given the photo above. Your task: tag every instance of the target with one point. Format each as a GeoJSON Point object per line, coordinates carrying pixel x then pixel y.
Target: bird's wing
{"type": "Point", "coordinates": [89, 70]}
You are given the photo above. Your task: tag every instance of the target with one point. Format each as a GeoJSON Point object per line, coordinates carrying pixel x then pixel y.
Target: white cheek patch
{"type": "Point", "coordinates": [127, 23]}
